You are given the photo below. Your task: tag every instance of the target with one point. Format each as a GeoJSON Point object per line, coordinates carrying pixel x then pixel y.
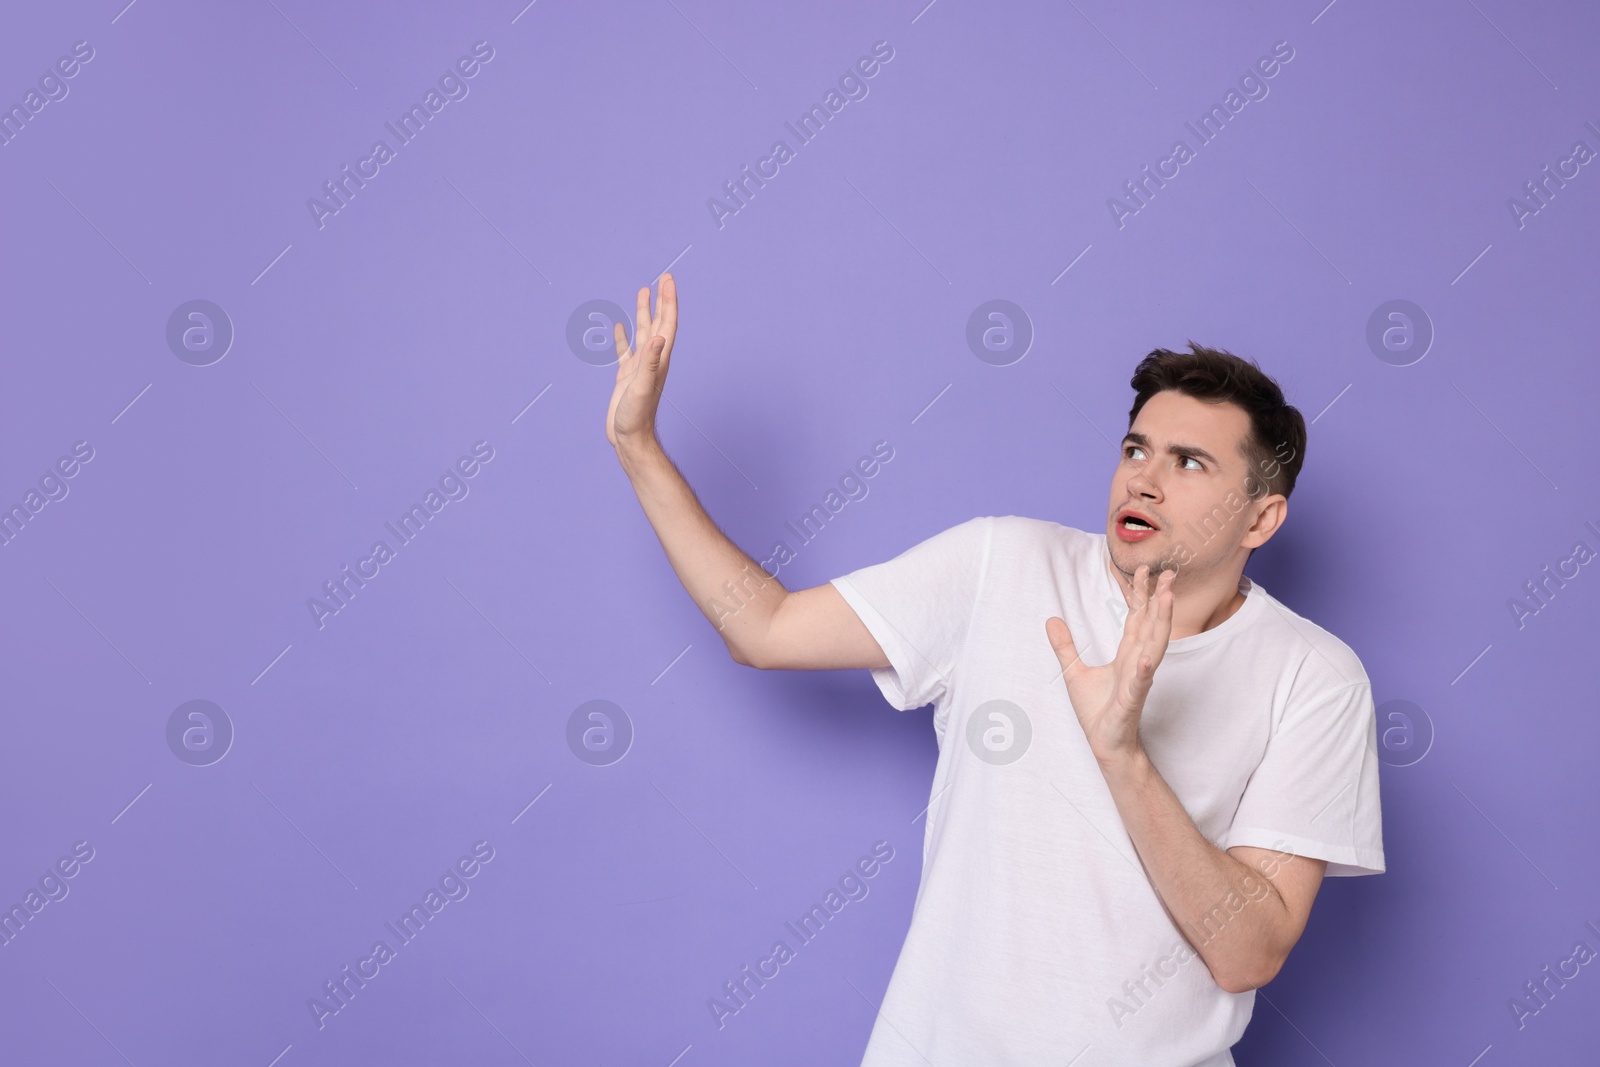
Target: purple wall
{"type": "Point", "coordinates": [373, 346]}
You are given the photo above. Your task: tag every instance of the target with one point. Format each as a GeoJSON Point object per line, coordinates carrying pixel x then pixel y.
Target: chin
{"type": "Point", "coordinates": [1128, 558]}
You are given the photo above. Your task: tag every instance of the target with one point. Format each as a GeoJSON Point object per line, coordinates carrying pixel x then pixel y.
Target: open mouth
{"type": "Point", "coordinates": [1131, 526]}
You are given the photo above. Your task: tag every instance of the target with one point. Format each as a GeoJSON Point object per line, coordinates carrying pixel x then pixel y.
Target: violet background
{"type": "Point", "coordinates": [829, 313]}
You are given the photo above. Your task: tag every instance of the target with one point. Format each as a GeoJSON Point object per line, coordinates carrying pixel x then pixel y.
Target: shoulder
{"type": "Point", "coordinates": [1325, 664]}
{"type": "Point", "coordinates": [1024, 549]}
{"type": "Point", "coordinates": [1043, 534]}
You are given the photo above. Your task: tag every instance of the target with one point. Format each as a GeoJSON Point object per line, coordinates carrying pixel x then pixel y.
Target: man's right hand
{"type": "Point", "coordinates": [641, 373]}
{"type": "Point", "coordinates": [763, 624]}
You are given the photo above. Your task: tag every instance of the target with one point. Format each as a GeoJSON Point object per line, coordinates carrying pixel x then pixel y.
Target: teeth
{"type": "Point", "coordinates": [1136, 524]}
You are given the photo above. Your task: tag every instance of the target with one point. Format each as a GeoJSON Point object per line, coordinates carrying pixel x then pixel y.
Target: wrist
{"type": "Point", "coordinates": [635, 450]}
{"type": "Point", "coordinates": [1126, 764]}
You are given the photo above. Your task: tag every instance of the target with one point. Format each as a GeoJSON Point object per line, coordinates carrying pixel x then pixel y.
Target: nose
{"type": "Point", "coordinates": [1141, 485]}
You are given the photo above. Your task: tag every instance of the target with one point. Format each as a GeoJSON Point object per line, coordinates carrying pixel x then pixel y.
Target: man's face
{"type": "Point", "coordinates": [1182, 471]}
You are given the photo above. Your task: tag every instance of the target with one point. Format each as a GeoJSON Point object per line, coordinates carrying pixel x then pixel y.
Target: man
{"type": "Point", "coordinates": [1146, 763]}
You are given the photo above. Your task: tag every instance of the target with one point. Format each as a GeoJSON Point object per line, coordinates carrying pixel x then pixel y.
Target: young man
{"type": "Point", "coordinates": [1115, 855]}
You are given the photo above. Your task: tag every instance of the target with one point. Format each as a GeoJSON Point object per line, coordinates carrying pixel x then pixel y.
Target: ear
{"type": "Point", "coordinates": [1271, 513]}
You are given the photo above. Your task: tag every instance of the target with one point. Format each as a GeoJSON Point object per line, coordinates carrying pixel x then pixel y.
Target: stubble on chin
{"type": "Point", "coordinates": [1132, 559]}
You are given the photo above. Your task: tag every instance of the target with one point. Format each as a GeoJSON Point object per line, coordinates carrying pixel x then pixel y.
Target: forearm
{"type": "Point", "coordinates": [1229, 912]}
{"type": "Point", "coordinates": [733, 591]}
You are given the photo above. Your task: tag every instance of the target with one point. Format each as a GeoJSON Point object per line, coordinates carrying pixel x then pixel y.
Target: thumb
{"type": "Point", "coordinates": [652, 354]}
{"type": "Point", "coordinates": [1060, 637]}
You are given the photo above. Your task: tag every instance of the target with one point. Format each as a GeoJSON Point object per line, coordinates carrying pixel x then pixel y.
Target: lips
{"type": "Point", "coordinates": [1134, 531]}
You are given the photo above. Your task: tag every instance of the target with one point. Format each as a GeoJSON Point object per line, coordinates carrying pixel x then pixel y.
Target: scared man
{"type": "Point", "coordinates": [1147, 764]}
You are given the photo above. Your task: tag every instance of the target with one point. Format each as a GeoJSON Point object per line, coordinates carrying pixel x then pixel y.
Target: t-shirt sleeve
{"type": "Point", "coordinates": [1315, 792]}
{"type": "Point", "coordinates": [919, 606]}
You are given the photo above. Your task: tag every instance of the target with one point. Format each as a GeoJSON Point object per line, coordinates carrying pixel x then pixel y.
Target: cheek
{"type": "Point", "coordinates": [1205, 520]}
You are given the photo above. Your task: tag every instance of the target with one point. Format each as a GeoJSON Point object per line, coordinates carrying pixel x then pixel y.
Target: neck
{"type": "Point", "coordinates": [1198, 603]}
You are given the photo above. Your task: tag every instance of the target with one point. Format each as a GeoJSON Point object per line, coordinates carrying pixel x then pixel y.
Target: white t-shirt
{"type": "Point", "coordinates": [1036, 933]}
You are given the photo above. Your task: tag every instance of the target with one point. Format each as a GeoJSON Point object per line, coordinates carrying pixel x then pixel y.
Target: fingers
{"type": "Point", "coordinates": [1131, 626]}
{"type": "Point", "coordinates": [1060, 638]}
{"type": "Point", "coordinates": [1147, 609]}
{"type": "Point", "coordinates": [1148, 627]}
{"type": "Point", "coordinates": [664, 324]}
{"type": "Point", "coordinates": [667, 307]}
{"type": "Point", "coordinates": [666, 318]}
{"type": "Point", "coordinates": [1163, 619]}
{"type": "Point", "coordinates": [1147, 587]}
{"type": "Point", "coordinates": [1162, 623]}
{"type": "Point", "coordinates": [652, 356]}
{"type": "Point", "coordinates": [1156, 624]}
{"type": "Point", "coordinates": [642, 326]}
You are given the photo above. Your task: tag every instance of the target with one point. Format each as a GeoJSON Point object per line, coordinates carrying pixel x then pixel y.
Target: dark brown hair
{"type": "Point", "coordinates": [1276, 445]}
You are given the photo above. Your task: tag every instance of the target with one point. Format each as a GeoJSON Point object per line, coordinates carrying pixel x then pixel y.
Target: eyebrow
{"type": "Point", "coordinates": [1135, 438]}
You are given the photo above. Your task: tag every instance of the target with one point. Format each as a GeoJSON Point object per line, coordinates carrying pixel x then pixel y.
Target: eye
{"type": "Point", "coordinates": [1128, 449]}
{"type": "Point", "coordinates": [1197, 464]}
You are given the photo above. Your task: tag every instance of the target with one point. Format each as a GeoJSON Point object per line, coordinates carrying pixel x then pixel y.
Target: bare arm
{"type": "Point", "coordinates": [762, 623]}
{"type": "Point", "coordinates": [1243, 909]}
{"type": "Point", "coordinates": [1241, 925]}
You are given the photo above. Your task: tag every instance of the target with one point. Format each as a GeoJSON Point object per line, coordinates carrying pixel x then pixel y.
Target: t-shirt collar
{"type": "Point", "coordinates": [1240, 620]}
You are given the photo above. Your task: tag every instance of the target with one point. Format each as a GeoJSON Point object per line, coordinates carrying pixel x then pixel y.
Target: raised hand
{"type": "Point", "coordinates": [1109, 699]}
{"type": "Point", "coordinates": [643, 371]}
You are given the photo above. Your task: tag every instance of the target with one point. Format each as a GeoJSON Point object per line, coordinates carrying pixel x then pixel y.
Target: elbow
{"type": "Point", "coordinates": [1244, 980]}
{"type": "Point", "coordinates": [743, 657]}
{"type": "Point", "coordinates": [1232, 984]}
